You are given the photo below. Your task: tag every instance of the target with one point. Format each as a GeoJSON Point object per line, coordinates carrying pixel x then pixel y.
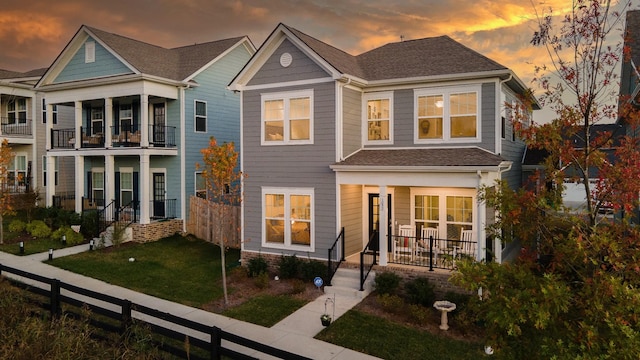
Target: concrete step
{"type": "Point", "coordinates": [346, 282]}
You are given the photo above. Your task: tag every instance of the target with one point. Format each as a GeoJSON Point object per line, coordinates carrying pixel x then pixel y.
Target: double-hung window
{"type": "Point", "coordinates": [17, 111]}
{"type": "Point", "coordinates": [200, 118]}
{"type": "Point", "coordinates": [200, 185]}
{"type": "Point", "coordinates": [97, 186]}
{"type": "Point", "coordinates": [126, 117]}
{"type": "Point", "coordinates": [448, 211]}
{"type": "Point", "coordinates": [288, 218]}
{"type": "Point", "coordinates": [287, 118]}
{"type": "Point", "coordinates": [126, 187]}
{"type": "Point", "coordinates": [447, 114]}
{"type": "Point", "coordinates": [378, 118]}
{"type": "Point", "coordinates": [97, 119]}
{"type": "Point", "coordinates": [17, 172]}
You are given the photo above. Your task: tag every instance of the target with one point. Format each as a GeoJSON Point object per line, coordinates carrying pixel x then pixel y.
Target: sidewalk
{"type": "Point", "coordinates": [294, 333]}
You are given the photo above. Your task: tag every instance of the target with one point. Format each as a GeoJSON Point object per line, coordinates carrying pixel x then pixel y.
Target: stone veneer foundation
{"type": "Point", "coordinates": [155, 230]}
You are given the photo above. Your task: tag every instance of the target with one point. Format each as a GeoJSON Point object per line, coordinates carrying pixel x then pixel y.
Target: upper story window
{"type": "Point", "coordinates": [449, 114]}
{"type": "Point", "coordinates": [17, 111]}
{"type": "Point", "coordinates": [287, 118]}
{"type": "Point", "coordinates": [200, 116]}
{"type": "Point", "coordinates": [379, 118]}
{"type": "Point", "coordinates": [44, 112]}
{"type": "Point", "coordinates": [97, 118]}
{"type": "Point", "coordinates": [126, 117]}
{"type": "Point", "coordinates": [89, 52]}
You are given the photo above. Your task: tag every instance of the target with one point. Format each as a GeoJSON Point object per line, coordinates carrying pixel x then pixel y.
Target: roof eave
{"type": "Point", "coordinates": [115, 80]}
{"type": "Point", "coordinates": [413, 169]}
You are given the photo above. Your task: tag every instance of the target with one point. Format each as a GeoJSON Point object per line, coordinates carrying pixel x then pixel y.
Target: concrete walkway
{"type": "Point", "coordinates": [294, 333]}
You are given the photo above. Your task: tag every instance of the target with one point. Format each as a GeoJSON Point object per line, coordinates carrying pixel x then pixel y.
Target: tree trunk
{"type": "Point", "coordinates": [1, 229]}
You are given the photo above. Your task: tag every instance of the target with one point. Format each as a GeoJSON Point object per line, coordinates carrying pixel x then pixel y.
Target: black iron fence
{"type": "Point", "coordinates": [63, 138]}
{"type": "Point", "coordinates": [15, 126]}
{"type": "Point", "coordinates": [208, 339]}
{"type": "Point", "coordinates": [431, 252]}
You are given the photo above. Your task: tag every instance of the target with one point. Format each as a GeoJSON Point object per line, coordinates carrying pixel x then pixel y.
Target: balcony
{"type": "Point", "coordinates": [162, 136]}
{"type": "Point", "coordinates": [15, 126]}
{"type": "Point", "coordinates": [63, 138]}
{"type": "Point", "coordinates": [125, 136]}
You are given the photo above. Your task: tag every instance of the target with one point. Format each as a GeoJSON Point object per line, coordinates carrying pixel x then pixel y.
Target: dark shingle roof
{"type": "Point", "coordinates": [175, 64]}
{"type": "Point", "coordinates": [415, 58]}
{"type": "Point", "coordinates": [7, 74]}
{"type": "Point", "coordinates": [423, 158]}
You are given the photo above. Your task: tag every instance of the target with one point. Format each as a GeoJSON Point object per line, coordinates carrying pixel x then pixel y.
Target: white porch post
{"type": "Point", "coordinates": [50, 189]}
{"type": "Point", "coordinates": [80, 179]}
{"type": "Point", "coordinates": [109, 181]}
{"type": "Point", "coordinates": [51, 180]}
{"type": "Point", "coordinates": [144, 120]}
{"type": "Point", "coordinates": [144, 189]}
{"type": "Point", "coordinates": [78, 124]}
{"type": "Point", "coordinates": [383, 226]}
{"type": "Point", "coordinates": [108, 123]}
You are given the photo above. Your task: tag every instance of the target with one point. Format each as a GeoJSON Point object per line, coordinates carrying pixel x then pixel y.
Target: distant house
{"type": "Point", "coordinates": [140, 114]}
{"type": "Point", "coordinates": [399, 137]}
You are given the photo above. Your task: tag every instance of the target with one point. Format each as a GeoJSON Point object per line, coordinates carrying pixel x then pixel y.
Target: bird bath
{"type": "Point", "coordinates": [444, 307]}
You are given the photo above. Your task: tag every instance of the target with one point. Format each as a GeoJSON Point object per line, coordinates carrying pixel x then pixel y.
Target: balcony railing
{"type": "Point", "coordinates": [63, 138]}
{"type": "Point", "coordinates": [95, 140]}
{"type": "Point", "coordinates": [15, 126]}
{"type": "Point", "coordinates": [163, 209]}
{"type": "Point", "coordinates": [162, 136]}
{"type": "Point", "coordinates": [432, 253]}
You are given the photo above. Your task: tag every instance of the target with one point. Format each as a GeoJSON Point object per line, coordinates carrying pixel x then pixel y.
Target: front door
{"type": "Point", "coordinates": [158, 195]}
{"type": "Point", "coordinates": [374, 220]}
{"type": "Point", "coordinates": [158, 124]}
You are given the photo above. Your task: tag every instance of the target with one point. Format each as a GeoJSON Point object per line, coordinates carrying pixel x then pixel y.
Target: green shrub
{"type": "Point", "coordinates": [312, 268]}
{"type": "Point", "coordinates": [58, 217]}
{"type": "Point", "coordinates": [289, 267]}
{"type": "Point", "coordinates": [73, 238]}
{"type": "Point", "coordinates": [257, 266]}
{"type": "Point", "coordinates": [419, 314]}
{"type": "Point", "coordinates": [261, 280]}
{"type": "Point", "coordinates": [387, 283]}
{"type": "Point", "coordinates": [89, 225]}
{"type": "Point", "coordinates": [461, 301]}
{"type": "Point", "coordinates": [391, 303]}
{"type": "Point", "coordinates": [38, 229]}
{"type": "Point", "coordinates": [17, 226]}
{"type": "Point", "coordinates": [420, 291]}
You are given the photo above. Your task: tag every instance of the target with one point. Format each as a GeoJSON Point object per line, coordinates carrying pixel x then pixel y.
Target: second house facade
{"type": "Point", "coordinates": [140, 115]}
{"type": "Point", "coordinates": [400, 138]}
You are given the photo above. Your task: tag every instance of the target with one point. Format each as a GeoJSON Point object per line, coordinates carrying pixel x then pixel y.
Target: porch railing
{"type": "Point", "coordinates": [368, 258]}
{"type": "Point", "coordinates": [89, 140]}
{"type": "Point", "coordinates": [163, 209]}
{"type": "Point", "coordinates": [15, 126]}
{"type": "Point", "coordinates": [332, 253]}
{"type": "Point", "coordinates": [162, 136]}
{"type": "Point", "coordinates": [106, 216]}
{"type": "Point", "coordinates": [126, 136]}
{"type": "Point", "coordinates": [128, 214]}
{"type": "Point", "coordinates": [63, 138]}
{"type": "Point", "coordinates": [431, 253]}
{"type": "Point", "coordinates": [65, 201]}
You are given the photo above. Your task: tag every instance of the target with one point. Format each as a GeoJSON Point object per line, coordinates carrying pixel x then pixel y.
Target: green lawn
{"type": "Point", "coordinates": [180, 269]}
{"type": "Point", "coordinates": [265, 310]}
{"type": "Point", "coordinates": [32, 246]}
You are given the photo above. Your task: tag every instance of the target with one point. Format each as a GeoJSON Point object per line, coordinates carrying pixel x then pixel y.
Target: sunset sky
{"type": "Point", "coordinates": [34, 32]}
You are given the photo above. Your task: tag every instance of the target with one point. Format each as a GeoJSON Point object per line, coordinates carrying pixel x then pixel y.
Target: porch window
{"type": "Point", "coordinates": [379, 118]}
{"type": "Point", "coordinates": [446, 114]}
{"type": "Point", "coordinates": [126, 188]}
{"type": "Point", "coordinates": [287, 118]}
{"type": "Point", "coordinates": [449, 211]}
{"type": "Point", "coordinates": [459, 215]}
{"type": "Point", "coordinates": [17, 112]}
{"type": "Point", "coordinates": [288, 220]}
{"type": "Point", "coordinates": [200, 185]}
{"type": "Point", "coordinates": [126, 117]}
{"type": "Point", "coordinates": [97, 187]}
{"type": "Point", "coordinates": [427, 211]}
{"type": "Point", "coordinates": [97, 118]}
{"type": "Point", "coordinates": [200, 118]}
{"type": "Point", "coordinates": [17, 172]}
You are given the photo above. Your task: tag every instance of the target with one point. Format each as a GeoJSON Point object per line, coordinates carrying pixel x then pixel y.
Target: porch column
{"type": "Point", "coordinates": [144, 189]}
{"type": "Point", "coordinates": [78, 124]}
{"type": "Point", "coordinates": [109, 182]}
{"type": "Point", "coordinates": [48, 126]}
{"type": "Point", "coordinates": [80, 180]}
{"type": "Point", "coordinates": [384, 226]}
{"type": "Point", "coordinates": [51, 180]}
{"type": "Point", "coordinates": [50, 189]}
{"type": "Point", "coordinates": [108, 123]}
{"type": "Point", "coordinates": [144, 120]}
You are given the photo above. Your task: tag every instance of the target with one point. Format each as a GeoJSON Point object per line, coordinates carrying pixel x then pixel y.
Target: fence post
{"type": "Point", "coordinates": [216, 342]}
{"type": "Point", "coordinates": [125, 319]}
{"type": "Point", "coordinates": [55, 298]}
{"type": "Point", "coordinates": [431, 253]}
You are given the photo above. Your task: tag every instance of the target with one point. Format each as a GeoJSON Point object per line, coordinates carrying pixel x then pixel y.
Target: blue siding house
{"type": "Point", "coordinates": [390, 144]}
{"type": "Point", "coordinates": [140, 115]}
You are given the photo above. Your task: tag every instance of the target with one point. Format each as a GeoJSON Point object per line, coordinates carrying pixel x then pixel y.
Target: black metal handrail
{"type": "Point", "coordinates": [332, 266]}
{"type": "Point", "coordinates": [128, 213]}
{"type": "Point", "coordinates": [63, 138]}
{"type": "Point", "coordinates": [15, 126]}
{"type": "Point", "coordinates": [163, 209]}
{"type": "Point", "coordinates": [431, 253]}
{"type": "Point", "coordinates": [371, 254]}
{"type": "Point", "coordinates": [104, 221]}
{"type": "Point", "coordinates": [162, 136]}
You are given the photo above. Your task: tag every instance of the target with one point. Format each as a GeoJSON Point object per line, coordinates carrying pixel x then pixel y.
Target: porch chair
{"type": "Point", "coordinates": [467, 246]}
{"type": "Point", "coordinates": [404, 242]}
{"type": "Point", "coordinates": [423, 245]}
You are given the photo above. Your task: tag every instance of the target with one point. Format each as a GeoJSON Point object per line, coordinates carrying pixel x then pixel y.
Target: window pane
{"type": "Point", "coordinates": [201, 123]}
{"type": "Point", "coordinates": [300, 207]}
{"type": "Point", "coordinates": [275, 231]}
{"type": "Point", "coordinates": [300, 219]}
{"type": "Point", "coordinates": [430, 128]}
{"type": "Point", "coordinates": [299, 130]}
{"type": "Point", "coordinates": [126, 181]}
{"type": "Point", "coordinates": [126, 197]}
{"type": "Point", "coordinates": [274, 131]}
{"type": "Point", "coordinates": [463, 115]}
{"type": "Point", "coordinates": [462, 104]}
{"type": "Point", "coordinates": [463, 126]}
{"type": "Point", "coordinates": [274, 206]}
{"type": "Point", "coordinates": [299, 108]}
{"type": "Point", "coordinates": [201, 108]}
{"type": "Point", "coordinates": [274, 110]}
{"type": "Point", "coordinates": [97, 180]}
{"type": "Point", "coordinates": [430, 117]}
{"type": "Point", "coordinates": [430, 106]}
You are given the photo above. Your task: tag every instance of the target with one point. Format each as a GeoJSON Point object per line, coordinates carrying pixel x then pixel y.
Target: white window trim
{"type": "Point", "coordinates": [442, 194]}
{"type": "Point", "coordinates": [365, 121]}
{"type": "Point", "coordinates": [446, 117]}
{"type": "Point", "coordinates": [287, 192]}
{"type": "Point", "coordinates": [195, 185]}
{"type": "Point", "coordinates": [196, 116]}
{"type": "Point", "coordinates": [286, 96]}
{"type": "Point", "coordinates": [125, 170]}
{"type": "Point", "coordinates": [44, 170]}
{"type": "Point", "coordinates": [89, 52]}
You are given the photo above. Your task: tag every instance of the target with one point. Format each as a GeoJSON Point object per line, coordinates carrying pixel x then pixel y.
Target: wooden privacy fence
{"type": "Point", "coordinates": [115, 315]}
{"type": "Point", "coordinates": [211, 221]}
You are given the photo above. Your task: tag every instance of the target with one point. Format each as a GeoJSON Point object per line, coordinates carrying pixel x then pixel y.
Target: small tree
{"type": "Point", "coordinates": [223, 181]}
{"type": "Point", "coordinates": [6, 156]}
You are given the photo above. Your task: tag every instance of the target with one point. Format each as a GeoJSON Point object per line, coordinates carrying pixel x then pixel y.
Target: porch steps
{"type": "Point", "coordinates": [346, 282]}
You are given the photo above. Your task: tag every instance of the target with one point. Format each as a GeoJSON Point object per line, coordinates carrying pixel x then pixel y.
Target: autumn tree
{"type": "Point", "coordinates": [572, 292]}
{"type": "Point", "coordinates": [6, 156]}
{"type": "Point", "coordinates": [223, 182]}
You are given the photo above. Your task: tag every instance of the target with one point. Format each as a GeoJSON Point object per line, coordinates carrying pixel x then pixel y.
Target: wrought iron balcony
{"type": "Point", "coordinates": [15, 126]}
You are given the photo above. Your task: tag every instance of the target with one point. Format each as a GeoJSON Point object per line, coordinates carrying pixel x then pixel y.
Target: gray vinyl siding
{"type": "Point", "coordinates": [301, 68]}
{"type": "Point", "coordinates": [291, 166]}
{"type": "Point", "coordinates": [401, 206]}
{"type": "Point", "coordinates": [488, 117]}
{"type": "Point", "coordinates": [403, 118]}
{"type": "Point", "coordinates": [512, 151]}
{"type": "Point", "coordinates": [351, 208]}
{"type": "Point", "coordinates": [105, 65]}
{"type": "Point", "coordinates": [352, 121]}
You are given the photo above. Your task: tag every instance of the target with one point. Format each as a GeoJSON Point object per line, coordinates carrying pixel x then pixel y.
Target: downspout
{"type": "Point", "coordinates": [339, 155]}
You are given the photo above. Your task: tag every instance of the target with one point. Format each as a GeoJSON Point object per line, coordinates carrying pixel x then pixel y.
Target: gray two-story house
{"type": "Point", "coordinates": [399, 137]}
